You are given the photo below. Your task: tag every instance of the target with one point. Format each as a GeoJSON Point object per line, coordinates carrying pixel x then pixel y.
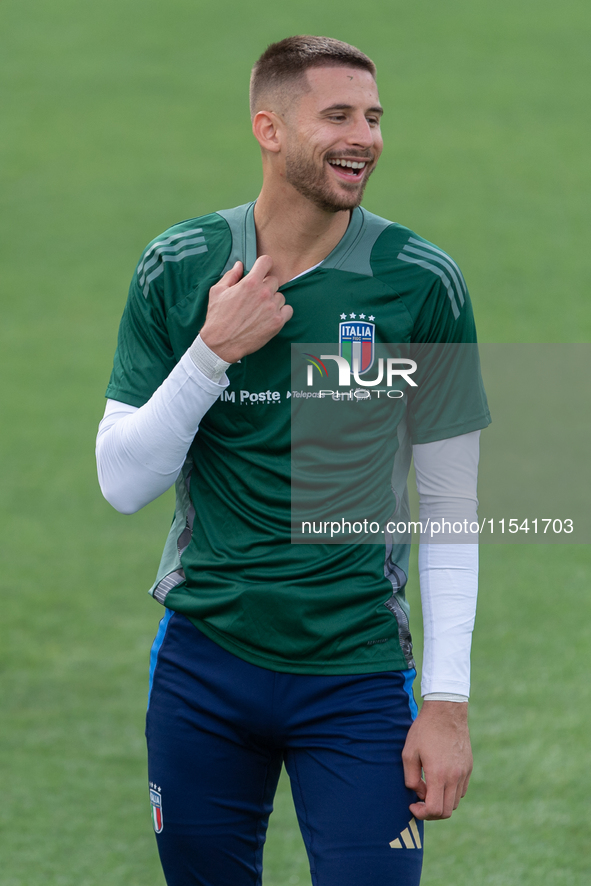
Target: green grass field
{"type": "Point", "coordinates": [121, 118]}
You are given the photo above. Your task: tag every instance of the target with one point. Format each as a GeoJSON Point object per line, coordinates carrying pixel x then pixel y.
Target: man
{"type": "Point", "coordinates": [271, 652]}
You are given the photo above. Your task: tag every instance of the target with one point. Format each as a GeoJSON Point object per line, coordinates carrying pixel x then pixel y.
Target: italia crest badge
{"type": "Point", "coordinates": [357, 342]}
{"type": "Point", "coordinates": [156, 803]}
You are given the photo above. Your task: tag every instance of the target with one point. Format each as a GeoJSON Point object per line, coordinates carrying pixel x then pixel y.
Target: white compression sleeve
{"type": "Point", "coordinates": [446, 473]}
{"type": "Point", "coordinates": [140, 452]}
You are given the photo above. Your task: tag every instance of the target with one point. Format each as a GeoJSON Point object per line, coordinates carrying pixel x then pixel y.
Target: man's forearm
{"type": "Point", "coordinates": [140, 452]}
{"type": "Point", "coordinates": [449, 588]}
{"type": "Point", "coordinates": [447, 473]}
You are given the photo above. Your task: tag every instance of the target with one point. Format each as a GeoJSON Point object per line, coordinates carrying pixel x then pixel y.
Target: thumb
{"type": "Point", "coordinates": [412, 774]}
{"type": "Point", "coordinates": [232, 276]}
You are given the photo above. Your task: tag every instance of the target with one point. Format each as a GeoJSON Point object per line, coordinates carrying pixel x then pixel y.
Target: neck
{"type": "Point", "coordinates": [295, 232]}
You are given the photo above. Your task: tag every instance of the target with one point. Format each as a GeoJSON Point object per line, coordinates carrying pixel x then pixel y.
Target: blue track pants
{"type": "Point", "coordinates": [219, 730]}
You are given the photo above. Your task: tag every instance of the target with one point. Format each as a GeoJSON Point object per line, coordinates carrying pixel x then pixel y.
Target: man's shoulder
{"type": "Point", "coordinates": [221, 219]}
{"type": "Point", "coordinates": [397, 243]}
{"type": "Point", "coordinates": [192, 247]}
{"type": "Point", "coordinates": [412, 265]}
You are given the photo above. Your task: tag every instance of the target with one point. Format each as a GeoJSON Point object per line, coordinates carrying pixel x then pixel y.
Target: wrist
{"type": "Point", "coordinates": [445, 711]}
{"type": "Point", "coordinates": [207, 361]}
{"type": "Point", "coordinates": [217, 344]}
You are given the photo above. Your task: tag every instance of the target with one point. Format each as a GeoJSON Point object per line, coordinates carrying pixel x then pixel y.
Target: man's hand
{"type": "Point", "coordinates": [438, 742]}
{"type": "Point", "coordinates": [244, 314]}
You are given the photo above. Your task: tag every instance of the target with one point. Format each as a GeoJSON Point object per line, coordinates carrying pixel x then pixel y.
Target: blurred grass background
{"type": "Point", "coordinates": [121, 118]}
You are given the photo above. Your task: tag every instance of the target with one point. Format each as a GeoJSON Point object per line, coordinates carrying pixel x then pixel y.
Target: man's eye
{"type": "Point", "coordinates": [338, 117]}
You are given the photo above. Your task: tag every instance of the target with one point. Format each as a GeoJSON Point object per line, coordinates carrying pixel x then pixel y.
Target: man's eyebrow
{"type": "Point", "coordinates": [376, 109]}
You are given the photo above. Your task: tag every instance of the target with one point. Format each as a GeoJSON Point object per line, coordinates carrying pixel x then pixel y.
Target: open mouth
{"type": "Point", "coordinates": [348, 169]}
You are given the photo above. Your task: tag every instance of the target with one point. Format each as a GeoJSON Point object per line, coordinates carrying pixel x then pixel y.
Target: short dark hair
{"type": "Point", "coordinates": [286, 61]}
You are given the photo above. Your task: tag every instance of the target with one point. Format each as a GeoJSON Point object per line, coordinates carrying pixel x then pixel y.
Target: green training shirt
{"type": "Point", "coordinates": [229, 563]}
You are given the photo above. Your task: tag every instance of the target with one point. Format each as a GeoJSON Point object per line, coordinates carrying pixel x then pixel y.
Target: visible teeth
{"type": "Point", "coordinates": [352, 164]}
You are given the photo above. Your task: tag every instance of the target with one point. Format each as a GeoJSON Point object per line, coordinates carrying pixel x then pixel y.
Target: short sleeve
{"type": "Point", "coordinates": [449, 399]}
{"type": "Point", "coordinates": [144, 356]}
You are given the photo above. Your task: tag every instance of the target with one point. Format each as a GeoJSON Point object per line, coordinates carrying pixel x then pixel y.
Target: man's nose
{"type": "Point", "coordinates": [361, 133]}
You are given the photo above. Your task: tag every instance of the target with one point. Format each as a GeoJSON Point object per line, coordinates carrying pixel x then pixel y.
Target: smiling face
{"type": "Point", "coordinates": [333, 137]}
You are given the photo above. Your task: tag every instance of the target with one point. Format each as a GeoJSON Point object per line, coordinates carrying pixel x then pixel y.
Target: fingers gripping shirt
{"type": "Point", "coordinates": [228, 563]}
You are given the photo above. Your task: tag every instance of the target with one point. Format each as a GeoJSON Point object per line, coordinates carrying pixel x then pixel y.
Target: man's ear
{"type": "Point", "coordinates": [267, 127]}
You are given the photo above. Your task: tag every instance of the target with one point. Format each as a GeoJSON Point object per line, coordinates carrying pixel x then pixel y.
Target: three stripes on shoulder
{"type": "Point", "coordinates": [173, 248]}
{"type": "Point", "coordinates": [433, 259]}
{"type": "Point", "coordinates": [405, 841]}
{"type": "Point", "coordinates": [179, 246]}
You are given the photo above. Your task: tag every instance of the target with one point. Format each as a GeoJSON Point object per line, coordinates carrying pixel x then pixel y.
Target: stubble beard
{"type": "Point", "coordinates": [313, 183]}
